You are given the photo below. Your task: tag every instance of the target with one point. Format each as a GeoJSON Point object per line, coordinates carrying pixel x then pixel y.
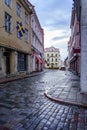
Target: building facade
{"type": "Point", "coordinates": [14, 50]}
{"type": "Point", "coordinates": [52, 58]}
{"type": "Point", "coordinates": [83, 46]}
{"type": "Point", "coordinates": [18, 53]}
{"type": "Point", "coordinates": [66, 63]}
{"type": "Point", "coordinates": [37, 43]}
{"type": "Point", "coordinates": [80, 7]}
{"type": "Point", "coordinates": [74, 43]}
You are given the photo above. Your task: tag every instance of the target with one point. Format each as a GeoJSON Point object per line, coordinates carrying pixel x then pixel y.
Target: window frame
{"type": "Point", "coordinates": [52, 55]}
{"type": "Point", "coordinates": [8, 3]}
{"type": "Point", "coordinates": [26, 18]}
{"type": "Point", "coordinates": [47, 55]}
{"type": "Point", "coordinates": [26, 35]}
{"type": "Point", "coordinates": [56, 60]}
{"type": "Point", "coordinates": [56, 55]}
{"type": "Point", "coordinates": [8, 23]}
{"type": "Point", "coordinates": [47, 60]}
{"type": "Point", "coordinates": [52, 60]}
{"type": "Point", "coordinates": [18, 10]}
{"type": "Point", "coordinates": [21, 62]}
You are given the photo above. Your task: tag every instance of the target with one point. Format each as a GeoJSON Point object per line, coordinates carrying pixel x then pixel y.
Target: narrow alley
{"type": "Point", "coordinates": [23, 105]}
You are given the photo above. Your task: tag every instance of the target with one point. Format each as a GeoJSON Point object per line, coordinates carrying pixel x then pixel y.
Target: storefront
{"type": "Point", "coordinates": [38, 63]}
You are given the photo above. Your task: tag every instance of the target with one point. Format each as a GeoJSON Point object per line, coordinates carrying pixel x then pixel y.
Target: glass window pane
{"type": "Point", "coordinates": [18, 10]}
{"type": "Point", "coordinates": [7, 22]}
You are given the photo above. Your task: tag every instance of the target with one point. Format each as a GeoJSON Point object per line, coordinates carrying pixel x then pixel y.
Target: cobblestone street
{"type": "Point", "coordinates": [23, 105]}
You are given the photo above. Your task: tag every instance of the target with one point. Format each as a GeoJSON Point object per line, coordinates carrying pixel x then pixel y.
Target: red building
{"type": "Point", "coordinates": [74, 43]}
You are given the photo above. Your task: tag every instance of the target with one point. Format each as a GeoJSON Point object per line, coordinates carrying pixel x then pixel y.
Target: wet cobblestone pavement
{"type": "Point", "coordinates": [23, 105]}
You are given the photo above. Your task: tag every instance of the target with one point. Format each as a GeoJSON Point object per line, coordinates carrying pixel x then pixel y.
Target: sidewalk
{"type": "Point", "coordinates": [18, 77]}
{"type": "Point", "coordinates": [69, 94]}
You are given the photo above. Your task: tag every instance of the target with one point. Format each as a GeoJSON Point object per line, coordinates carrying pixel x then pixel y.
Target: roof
{"type": "Point", "coordinates": [49, 49]}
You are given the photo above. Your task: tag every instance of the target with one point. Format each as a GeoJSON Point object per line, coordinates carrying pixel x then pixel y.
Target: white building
{"type": "Point", "coordinates": [37, 44]}
{"type": "Point", "coordinates": [52, 58]}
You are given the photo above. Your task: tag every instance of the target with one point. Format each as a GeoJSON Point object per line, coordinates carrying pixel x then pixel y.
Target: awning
{"type": "Point", "coordinates": [39, 59]}
{"type": "Point", "coordinates": [74, 58]}
{"type": "Point", "coordinates": [76, 50]}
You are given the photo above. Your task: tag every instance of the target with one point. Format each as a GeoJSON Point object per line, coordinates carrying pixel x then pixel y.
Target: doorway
{"type": "Point", "coordinates": [8, 64]}
{"type": "Point", "coordinates": [7, 56]}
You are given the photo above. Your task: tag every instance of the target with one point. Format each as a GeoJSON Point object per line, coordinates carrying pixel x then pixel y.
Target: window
{"type": "Point", "coordinates": [47, 59]}
{"type": "Point", "coordinates": [52, 59]}
{"type": "Point", "coordinates": [52, 50]}
{"type": "Point", "coordinates": [7, 22]}
{"type": "Point", "coordinates": [26, 18]}
{"type": "Point", "coordinates": [56, 60]}
{"type": "Point", "coordinates": [51, 55]}
{"type": "Point", "coordinates": [32, 23]}
{"type": "Point", "coordinates": [26, 35]}
{"type": "Point", "coordinates": [21, 62]}
{"type": "Point", "coordinates": [47, 64]}
{"type": "Point", "coordinates": [56, 55]}
{"type": "Point", "coordinates": [47, 55]}
{"type": "Point", "coordinates": [8, 3]}
{"type": "Point", "coordinates": [18, 10]}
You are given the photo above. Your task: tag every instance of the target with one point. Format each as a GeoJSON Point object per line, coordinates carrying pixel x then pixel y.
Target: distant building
{"type": "Point", "coordinates": [52, 58]}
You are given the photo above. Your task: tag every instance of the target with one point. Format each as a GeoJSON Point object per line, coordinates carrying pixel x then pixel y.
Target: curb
{"type": "Point", "coordinates": [64, 102]}
{"type": "Point", "coordinates": [19, 78]}
{"type": "Point", "coordinates": [12, 79]}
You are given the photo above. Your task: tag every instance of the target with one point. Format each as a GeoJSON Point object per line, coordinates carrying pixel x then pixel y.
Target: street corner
{"type": "Point", "coordinates": [65, 102]}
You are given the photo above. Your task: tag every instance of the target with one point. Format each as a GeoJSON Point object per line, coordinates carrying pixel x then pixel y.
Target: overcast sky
{"type": "Point", "coordinates": [54, 17]}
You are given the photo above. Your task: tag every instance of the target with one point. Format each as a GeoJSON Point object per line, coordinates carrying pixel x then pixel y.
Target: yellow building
{"type": "Point", "coordinates": [15, 50]}
{"type": "Point", "coordinates": [52, 58]}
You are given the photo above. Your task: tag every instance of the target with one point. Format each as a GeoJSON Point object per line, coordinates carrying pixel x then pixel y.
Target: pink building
{"type": "Point", "coordinates": [74, 43]}
{"type": "Point", "coordinates": [37, 43]}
